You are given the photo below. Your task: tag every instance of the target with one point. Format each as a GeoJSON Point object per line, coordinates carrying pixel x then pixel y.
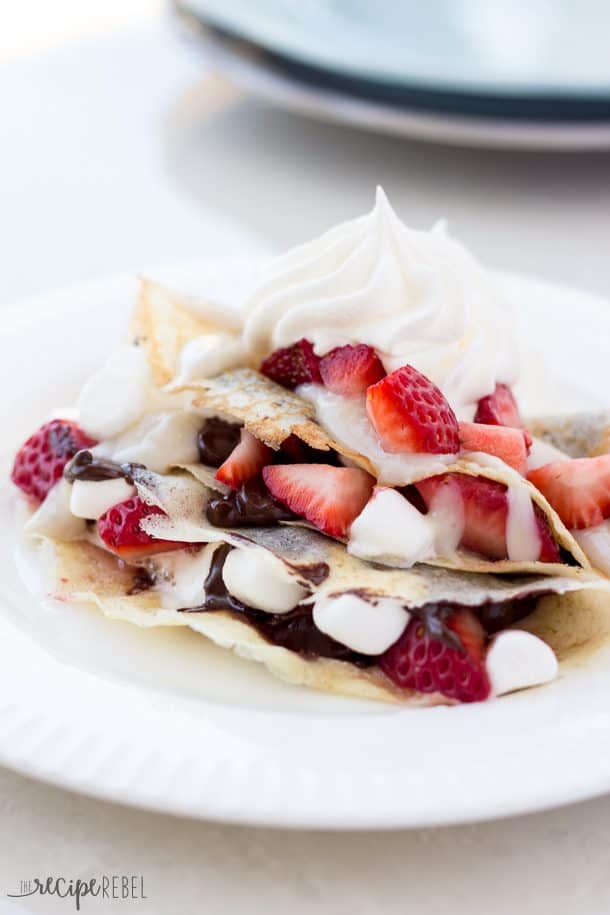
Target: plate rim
{"type": "Point", "coordinates": [276, 37]}
{"type": "Point", "coordinates": [24, 729]}
{"type": "Point", "coordinates": [254, 75]}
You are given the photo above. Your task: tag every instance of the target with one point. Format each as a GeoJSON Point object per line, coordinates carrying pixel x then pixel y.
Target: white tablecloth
{"type": "Point", "coordinates": [119, 154]}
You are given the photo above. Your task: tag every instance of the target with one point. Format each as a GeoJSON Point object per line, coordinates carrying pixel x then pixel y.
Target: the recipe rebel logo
{"type": "Point", "coordinates": [124, 887]}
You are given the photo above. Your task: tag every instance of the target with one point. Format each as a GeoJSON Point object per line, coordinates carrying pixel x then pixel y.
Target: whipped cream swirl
{"type": "Point", "coordinates": [416, 297]}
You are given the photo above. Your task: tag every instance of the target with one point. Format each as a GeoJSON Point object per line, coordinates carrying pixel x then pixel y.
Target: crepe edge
{"type": "Point", "coordinates": [84, 574]}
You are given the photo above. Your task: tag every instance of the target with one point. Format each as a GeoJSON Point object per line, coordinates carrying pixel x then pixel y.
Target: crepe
{"type": "Point", "coordinates": [578, 435]}
{"type": "Point", "coordinates": [83, 572]}
{"type": "Point", "coordinates": [272, 414]}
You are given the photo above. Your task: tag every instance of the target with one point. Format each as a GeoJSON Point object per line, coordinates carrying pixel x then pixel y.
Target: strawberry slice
{"type": "Point", "coordinates": [294, 365]}
{"type": "Point", "coordinates": [428, 663]}
{"type": "Point", "coordinates": [410, 414]}
{"type": "Point", "coordinates": [350, 370]}
{"type": "Point", "coordinates": [499, 408]}
{"type": "Point", "coordinates": [245, 461]}
{"type": "Point", "coordinates": [485, 515]}
{"type": "Point", "coordinates": [578, 490]}
{"type": "Point", "coordinates": [329, 497]}
{"type": "Point", "coordinates": [41, 459]}
{"type": "Point", "coordinates": [120, 530]}
{"type": "Point", "coordinates": [502, 442]}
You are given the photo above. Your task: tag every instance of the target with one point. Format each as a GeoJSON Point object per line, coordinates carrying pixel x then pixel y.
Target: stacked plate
{"type": "Point", "coordinates": [530, 74]}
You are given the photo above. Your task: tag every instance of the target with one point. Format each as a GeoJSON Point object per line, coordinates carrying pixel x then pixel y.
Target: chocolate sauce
{"type": "Point", "coordinates": [316, 572]}
{"type": "Point", "coordinates": [497, 615]}
{"type": "Point", "coordinates": [252, 505]}
{"type": "Point", "coordinates": [143, 580]}
{"type": "Point", "coordinates": [295, 630]}
{"type": "Point", "coordinates": [84, 466]}
{"type": "Point", "coordinates": [216, 440]}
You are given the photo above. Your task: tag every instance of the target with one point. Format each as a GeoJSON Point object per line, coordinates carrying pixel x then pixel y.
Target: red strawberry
{"type": "Point", "coordinates": [409, 414]}
{"type": "Point", "coordinates": [578, 490]}
{"type": "Point", "coordinates": [350, 370]}
{"type": "Point", "coordinates": [421, 661]}
{"type": "Point", "coordinates": [329, 497]}
{"type": "Point", "coordinates": [245, 461]}
{"type": "Point", "coordinates": [295, 365]}
{"type": "Point", "coordinates": [549, 550]}
{"type": "Point", "coordinates": [41, 460]}
{"type": "Point", "coordinates": [120, 530]}
{"type": "Point", "coordinates": [485, 515]}
{"type": "Point", "coordinates": [503, 442]}
{"type": "Point", "coordinates": [294, 451]}
{"type": "Point", "coordinates": [499, 408]}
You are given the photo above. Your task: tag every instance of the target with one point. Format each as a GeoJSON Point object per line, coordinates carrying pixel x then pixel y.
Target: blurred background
{"type": "Point", "coordinates": [144, 133]}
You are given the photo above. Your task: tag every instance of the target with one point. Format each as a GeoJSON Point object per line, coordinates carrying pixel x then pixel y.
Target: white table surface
{"type": "Point", "coordinates": [122, 153]}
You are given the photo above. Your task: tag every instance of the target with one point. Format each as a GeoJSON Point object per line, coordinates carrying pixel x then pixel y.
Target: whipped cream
{"type": "Point", "coordinates": [542, 453]}
{"type": "Point", "coordinates": [159, 441]}
{"type": "Point", "coordinates": [210, 355]}
{"type": "Point", "coordinates": [91, 498]}
{"type": "Point", "coordinates": [416, 297]}
{"type": "Point", "coordinates": [391, 530]}
{"type": "Point", "coordinates": [260, 580]}
{"type": "Point", "coordinates": [116, 395]}
{"type": "Point", "coordinates": [364, 626]}
{"type": "Point", "coordinates": [518, 659]}
{"type": "Point", "coordinates": [523, 541]}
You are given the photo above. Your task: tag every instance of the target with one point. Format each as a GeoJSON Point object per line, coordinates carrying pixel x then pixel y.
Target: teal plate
{"type": "Point", "coordinates": [526, 49]}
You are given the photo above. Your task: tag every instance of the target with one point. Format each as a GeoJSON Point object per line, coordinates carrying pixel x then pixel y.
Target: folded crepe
{"type": "Point", "coordinates": [396, 602]}
{"type": "Point", "coordinates": [273, 414]}
{"type": "Point", "coordinates": [291, 644]}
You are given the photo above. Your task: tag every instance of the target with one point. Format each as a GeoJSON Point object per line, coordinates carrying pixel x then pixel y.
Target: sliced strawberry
{"type": "Point", "coordinates": [245, 461]}
{"type": "Point", "coordinates": [120, 530]}
{"type": "Point", "coordinates": [350, 370]}
{"type": "Point", "coordinates": [549, 548]}
{"type": "Point", "coordinates": [578, 490]}
{"type": "Point", "coordinates": [294, 365]}
{"type": "Point", "coordinates": [502, 442]}
{"type": "Point", "coordinates": [41, 460]}
{"type": "Point", "coordinates": [499, 408]}
{"type": "Point", "coordinates": [428, 663]}
{"type": "Point", "coordinates": [410, 414]}
{"type": "Point", "coordinates": [485, 515]}
{"type": "Point", "coordinates": [329, 497]}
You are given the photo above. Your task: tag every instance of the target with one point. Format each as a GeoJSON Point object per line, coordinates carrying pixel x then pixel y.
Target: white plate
{"type": "Point", "coordinates": [252, 72]}
{"type": "Point", "coordinates": [166, 721]}
{"type": "Point", "coordinates": [460, 45]}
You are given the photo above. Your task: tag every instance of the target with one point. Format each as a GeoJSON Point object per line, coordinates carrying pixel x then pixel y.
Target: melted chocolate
{"type": "Point", "coordinates": [295, 630]}
{"type": "Point", "coordinates": [216, 440]}
{"type": "Point", "coordinates": [316, 573]}
{"type": "Point", "coordinates": [250, 506]}
{"type": "Point", "coordinates": [84, 466]}
{"type": "Point", "coordinates": [496, 615]}
{"type": "Point", "coordinates": [143, 580]}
